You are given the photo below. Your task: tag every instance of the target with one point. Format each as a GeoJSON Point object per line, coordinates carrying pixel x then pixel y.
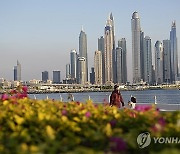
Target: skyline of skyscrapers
{"type": "Point", "coordinates": [110, 61]}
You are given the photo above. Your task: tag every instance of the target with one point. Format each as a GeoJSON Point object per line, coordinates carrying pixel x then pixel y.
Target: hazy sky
{"type": "Point", "coordinates": [41, 33]}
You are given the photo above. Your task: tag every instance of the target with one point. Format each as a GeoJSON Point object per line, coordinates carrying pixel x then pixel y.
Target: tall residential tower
{"type": "Point", "coordinates": [17, 72]}
{"type": "Point", "coordinates": [108, 51]}
{"type": "Point", "coordinates": [147, 60]}
{"type": "Point", "coordinates": [73, 63]}
{"type": "Point", "coordinates": [83, 49]}
{"type": "Point", "coordinates": [122, 45]}
{"type": "Point", "coordinates": [136, 60]}
{"type": "Point", "coordinates": [174, 54]}
{"type": "Point", "coordinates": [166, 61]}
{"type": "Point", "coordinates": [98, 67]}
{"type": "Point", "coordinates": [159, 62]}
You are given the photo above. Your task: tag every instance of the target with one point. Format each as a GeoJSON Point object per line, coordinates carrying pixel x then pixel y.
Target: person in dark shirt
{"type": "Point", "coordinates": [116, 98]}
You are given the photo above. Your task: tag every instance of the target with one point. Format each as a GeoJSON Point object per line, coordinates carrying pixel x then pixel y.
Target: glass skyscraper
{"type": "Point", "coordinates": [174, 54]}
{"type": "Point", "coordinates": [167, 61]}
{"type": "Point", "coordinates": [83, 48]}
{"type": "Point", "coordinates": [73, 63]}
{"type": "Point", "coordinates": [56, 77]}
{"type": "Point", "coordinates": [122, 44]}
{"type": "Point", "coordinates": [101, 48]}
{"type": "Point", "coordinates": [136, 60]}
{"type": "Point", "coordinates": [45, 76]}
{"type": "Point", "coordinates": [68, 71]}
{"type": "Point", "coordinates": [159, 62]}
{"type": "Point", "coordinates": [119, 64]}
{"type": "Point", "coordinates": [98, 67]}
{"type": "Point", "coordinates": [147, 60]}
{"type": "Point", "coordinates": [17, 72]}
{"type": "Point", "coordinates": [82, 72]}
{"type": "Point", "coordinates": [108, 51]}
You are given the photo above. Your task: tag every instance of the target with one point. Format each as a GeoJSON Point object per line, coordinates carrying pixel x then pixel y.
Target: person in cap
{"type": "Point", "coordinates": [116, 98]}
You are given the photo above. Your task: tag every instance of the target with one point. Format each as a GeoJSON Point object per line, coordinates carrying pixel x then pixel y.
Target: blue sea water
{"type": "Point", "coordinates": [144, 96]}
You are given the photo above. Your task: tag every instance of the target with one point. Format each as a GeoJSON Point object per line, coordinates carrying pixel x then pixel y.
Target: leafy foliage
{"type": "Point", "coordinates": [49, 126]}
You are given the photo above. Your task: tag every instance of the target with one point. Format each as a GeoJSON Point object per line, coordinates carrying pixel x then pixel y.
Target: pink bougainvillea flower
{"type": "Point", "coordinates": [143, 107]}
{"type": "Point", "coordinates": [88, 114]}
{"type": "Point", "coordinates": [162, 121]}
{"type": "Point", "coordinates": [117, 144]}
{"type": "Point", "coordinates": [4, 97]}
{"type": "Point", "coordinates": [159, 126]}
{"type": "Point", "coordinates": [64, 112]}
{"type": "Point", "coordinates": [13, 91]}
{"type": "Point", "coordinates": [24, 89]}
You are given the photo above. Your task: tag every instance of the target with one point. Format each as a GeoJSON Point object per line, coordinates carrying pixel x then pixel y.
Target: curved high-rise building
{"type": "Point", "coordinates": [158, 62]}
{"type": "Point", "coordinates": [136, 59]}
{"type": "Point", "coordinates": [82, 76]}
{"type": "Point", "coordinates": [174, 54]}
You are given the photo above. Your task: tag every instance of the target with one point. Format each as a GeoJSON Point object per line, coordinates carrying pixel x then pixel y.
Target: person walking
{"type": "Point", "coordinates": [116, 98]}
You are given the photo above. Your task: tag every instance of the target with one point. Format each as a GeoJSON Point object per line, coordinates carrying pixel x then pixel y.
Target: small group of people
{"type": "Point", "coordinates": [117, 100]}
